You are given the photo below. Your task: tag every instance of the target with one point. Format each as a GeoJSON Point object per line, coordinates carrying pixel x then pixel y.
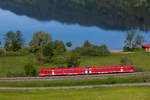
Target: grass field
{"type": "Point", "coordinates": [61, 83]}
{"type": "Point", "coordinates": [115, 93]}
{"type": "Point", "coordinates": [16, 64]}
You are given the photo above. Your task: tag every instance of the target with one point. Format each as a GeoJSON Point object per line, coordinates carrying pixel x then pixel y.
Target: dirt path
{"type": "Point", "coordinates": [75, 87]}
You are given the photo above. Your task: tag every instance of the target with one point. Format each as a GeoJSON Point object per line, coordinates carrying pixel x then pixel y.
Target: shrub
{"type": "Point", "coordinates": [72, 59]}
{"type": "Point", "coordinates": [126, 61]}
{"type": "Point", "coordinates": [13, 53]}
{"type": "Point", "coordinates": [138, 69]}
{"type": "Point", "coordinates": [2, 52]}
{"type": "Point", "coordinates": [25, 50]}
{"type": "Point", "coordinates": [92, 50]}
{"type": "Point", "coordinates": [30, 70]}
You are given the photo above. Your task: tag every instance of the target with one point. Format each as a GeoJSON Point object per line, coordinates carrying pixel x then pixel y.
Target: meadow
{"type": "Point", "coordinates": [114, 93]}
{"type": "Point", "coordinates": [16, 63]}
{"type": "Point", "coordinates": [85, 82]}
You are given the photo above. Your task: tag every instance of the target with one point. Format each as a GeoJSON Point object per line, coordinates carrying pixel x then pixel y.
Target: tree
{"type": "Point", "coordinates": [72, 59]}
{"type": "Point", "coordinates": [0, 44]}
{"type": "Point", "coordinates": [129, 42]}
{"type": "Point", "coordinates": [48, 50]}
{"type": "Point", "coordinates": [29, 70]}
{"type": "Point", "coordinates": [87, 44]}
{"type": "Point", "coordinates": [39, 40]}
{"type": "Point", "coordinates": [133, 41]}
{"type": "Point", "coordinates": [59, 47]}
{"type": "Point", "coordinates": [69, 44]}
{"type": "Point", "coordinates": [13, 41]}
{"type": "Point", "coordinates": [138, 41]}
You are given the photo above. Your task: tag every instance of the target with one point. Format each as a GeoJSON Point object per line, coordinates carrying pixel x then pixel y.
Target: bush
{"type": "Point", "coordinates": [126, 61]}
{"type": "Point", "coordinates": [72, 59]}
{"type": "Point", "coordinates": [58, 59]}
{"type": "Point", "coordinates": [13, 53]}
{"type": "Point", "coordinates": [138, 69]}
{"type": "Point", "coordinates": [25, 50]}
{"type": "Point", "coordinates": [2, 52]}
{"type": "Point", "coordinates": [92, 50]}
{"type": "Point", "coordinates": [30, 70]}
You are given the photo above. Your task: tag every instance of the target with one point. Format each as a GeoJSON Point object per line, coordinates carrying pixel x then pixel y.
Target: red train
{"type": "Point", "coordinates": [89, 70]}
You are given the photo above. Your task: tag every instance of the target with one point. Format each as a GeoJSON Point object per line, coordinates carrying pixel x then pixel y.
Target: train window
{"type": "Point", "coordinates": [41, 71]}
{"type": "Point", "coordinates": [62, 70]}
{"type": "Point", "coordinates": [112, 68]}
{"type": "Point", "coordinates": [76, 70]}
{"type": "Point", "coordinates": [49, 71]}
{"type": "Point", "coordinates": [127, 67]}
{"type": "Point", "coordinates": [72, 70]}
{"type": "Point", "coordinates": [106, 69]}
{"type": "Point", "coordinates": [65, 70]}
{"type": "Point", "coordinates": [109, 68]}
{"type": "Point", "coordinates": [100, 69]}
{"type": "Point", "coordinates": [45, 71]}
{"type": "Point", "coordinates": [69, 70]}
{"type": "Point", "coordinates": [58, 70]}
{"type": "Point", "coordinates": [131, 67]}
{"type": "Point", "coordinates": [103, 69]}
{"type": "Point", "coordinates": [96, 69]}
{"type": "Point", "coordinates": [82, 70]}
{"type": "Point", "coordinates": [115, 68]}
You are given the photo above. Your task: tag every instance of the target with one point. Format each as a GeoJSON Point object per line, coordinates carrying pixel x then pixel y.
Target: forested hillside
{"type": "Point", "coordinates": [106, 14]}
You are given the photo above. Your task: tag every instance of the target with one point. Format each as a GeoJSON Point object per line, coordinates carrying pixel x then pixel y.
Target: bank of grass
{"type": "Point", "coordinates": [16, 64]}
{"type": "Point", "coordinates": [86, 82]}
{"type": "Point", "coordinates": [113, 93]}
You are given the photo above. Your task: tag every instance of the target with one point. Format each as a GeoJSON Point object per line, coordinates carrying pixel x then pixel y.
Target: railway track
{"type": "Point", "coordinates": [74, 77]}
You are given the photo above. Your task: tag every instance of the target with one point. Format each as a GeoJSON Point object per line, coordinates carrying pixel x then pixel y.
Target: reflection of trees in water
{"type": "Point", "coordinates": [106, 14]}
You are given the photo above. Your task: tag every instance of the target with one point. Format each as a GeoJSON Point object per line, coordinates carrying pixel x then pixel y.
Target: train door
{"type": "Point", "coordinates": [90, 70]}
{"type": "Point", "coordinates": [86, 71]}
{"type": "Point", "coordinates": [53, 72]}
{"type": "Point", "coordinates": [121, 69]}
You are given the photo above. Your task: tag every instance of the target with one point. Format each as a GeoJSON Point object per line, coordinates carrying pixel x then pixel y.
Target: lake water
{"type": "Point", "coordinates": [68, 25]}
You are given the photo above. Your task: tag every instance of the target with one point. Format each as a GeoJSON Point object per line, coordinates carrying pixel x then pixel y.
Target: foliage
{"type": "Point", "coordinates": [72, 59]}
{"type": "Point", "coordinates": [59, 47]}
{"type": "Point", "coordinates": [133, 41]}
{"type": "Point", "coordinates": [48, 50]}
{"type": "Point", "coordinates": [69, 44]}
{"type": "Point", "coordinates": [89, 49]}
{"type": "Point", "coordinates": [138, 69]}
{"type": "Point", "coordinates": [2, 52]}
{"type": "Point", "coordinates": [59, 60]}
{"type": "Point", "coordinates": [125, 61]}
{"type": "Point", "coordinates": [30, 70]}
{"type": "Point", "coordinates": [39, 40]}
{"type": "Point", "coordinates": [13, 41]}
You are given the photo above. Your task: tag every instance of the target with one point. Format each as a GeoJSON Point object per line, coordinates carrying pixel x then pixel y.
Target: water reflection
{"type": "Point", "coordinates": [106, 15]}
{"type": "Point", "coordinates": [73, 22]}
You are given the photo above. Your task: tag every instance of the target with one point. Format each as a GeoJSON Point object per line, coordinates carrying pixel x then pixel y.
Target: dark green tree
{"type": "Point", "coordinates": [87, 44]}
{"type": "Point", "coordinates": [59, 47]}
{"type": "Point", "coordinates": [69, 44]}
{"type": "Point", "coordinates": [72, 59]}
{"type": "Point", "coordinates": [48, 50]}
{"type": "Point", "coordinates": [30, 70]}
{"type": "Point", "coordinates": [39, 40]}
{"type": "Point", "coordinates": [13, 41]}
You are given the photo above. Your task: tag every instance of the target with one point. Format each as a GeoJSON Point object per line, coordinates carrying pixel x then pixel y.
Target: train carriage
{"type": "Point", "coordinates": [89, 70]}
